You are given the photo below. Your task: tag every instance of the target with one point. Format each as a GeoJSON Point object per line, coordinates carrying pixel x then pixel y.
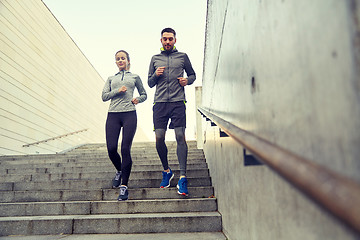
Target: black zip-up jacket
{"type": "Point", "coordinates": [168, 88]}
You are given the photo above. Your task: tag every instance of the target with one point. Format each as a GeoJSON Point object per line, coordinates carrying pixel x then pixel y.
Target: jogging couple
{"type": "Point", "coordinates": [166, 72]}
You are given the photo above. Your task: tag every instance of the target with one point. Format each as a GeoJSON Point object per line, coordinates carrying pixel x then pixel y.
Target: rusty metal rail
{"type": "Point", "coordinates": [334, 192]}
{"type": "Point", "coordinates": [54, 138]}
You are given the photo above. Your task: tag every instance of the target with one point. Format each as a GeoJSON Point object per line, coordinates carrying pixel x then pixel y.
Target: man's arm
{"type": "Point", "coordinates": [152, 78]}
{"type": "Point", "coordinates": [140, 87]}
{"type": "Point", "coordinates": [191, 76]}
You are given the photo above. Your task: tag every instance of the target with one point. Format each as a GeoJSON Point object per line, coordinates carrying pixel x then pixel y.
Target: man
{"type": "Point", "coordinates": [166, 72]}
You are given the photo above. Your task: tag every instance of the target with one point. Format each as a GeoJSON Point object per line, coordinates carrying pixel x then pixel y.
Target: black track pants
{"type": "Point", "coordinates": [128, 122]}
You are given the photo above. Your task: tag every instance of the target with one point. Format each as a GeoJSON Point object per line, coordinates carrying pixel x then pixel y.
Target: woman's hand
{"type": "Point", "coordinates": [122, 89]}
{"type": "Point", "coordinates": [135, 101]}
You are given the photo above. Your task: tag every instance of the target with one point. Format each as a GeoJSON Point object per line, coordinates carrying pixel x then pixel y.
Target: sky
{"type": "Point", "coordinates": [102, 27]}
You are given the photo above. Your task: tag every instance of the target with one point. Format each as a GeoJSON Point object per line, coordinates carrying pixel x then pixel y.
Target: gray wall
{"type": "Point", "coordinates": [287, 71]}
{"type": "Point", "coordinates": [48, 87]}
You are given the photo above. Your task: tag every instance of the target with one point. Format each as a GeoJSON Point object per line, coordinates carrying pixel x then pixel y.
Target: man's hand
{"type": "Point", "coordinates": [135, 101]}
{"type": "Point", "coordinates": [183, 81]}
{"type": "Point", "coordinates": [159, 71]}
{"type": "Point", "coordinates": [122, 89]}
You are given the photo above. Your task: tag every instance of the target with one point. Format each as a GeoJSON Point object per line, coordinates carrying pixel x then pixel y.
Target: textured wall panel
{"type": "Point", "coordinates": [287, 71]}
{"type": "Point", "coordinates": [48, 87]}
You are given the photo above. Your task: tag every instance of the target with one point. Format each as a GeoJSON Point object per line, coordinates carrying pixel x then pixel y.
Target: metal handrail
{"type": "Point", "coordinates": [336, 193]}
{"type": "Point", "coordinates": [54, 138]}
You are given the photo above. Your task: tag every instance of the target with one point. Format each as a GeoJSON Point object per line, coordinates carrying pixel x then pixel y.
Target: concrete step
{"type": "Point", "coordinates": [107, 207]}
{"type": "Point", "coordinates": [136, 145]}
{"type": "Point", "coordinates": [99, 151]}
{"type": "Point", "coordinates": [134, 156]}
{"type": "Point", "coordinates": [85, 168]}
{"type": "Point", "coordinates": [102, 174]}
{"type": "Point", "coordinates": [134, 150]}
{"type": "Point", "coordinates": [86, 157]}
{"type": "Point", "coordinates": [70, 193]}
{"type": "Point", "coordinates": [148, 145]}
{"type": "Point", "coordinates": [137, 153]}
{"type": "Point", "coordinates": [102, 194]}
{"type": "Point", "coordinates": [146, 236]}
{"type": "Point", "coordinates": [112, 223]}
{"type": "Point", "coordinates": [106, 163]}
{"type": "Point", "coordinates": [91, 159]}
{"type": "Point", "coordinates": [97, 184]}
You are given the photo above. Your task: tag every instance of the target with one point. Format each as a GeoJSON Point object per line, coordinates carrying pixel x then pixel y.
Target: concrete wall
{"type": "Point", "coordinates": [48, 87]}
{"type": "Point", "coordinates": [287, 71]}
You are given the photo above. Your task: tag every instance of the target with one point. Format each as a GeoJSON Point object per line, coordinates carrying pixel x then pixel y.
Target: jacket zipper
{"type": "Point", "coordinates": [168, 81]}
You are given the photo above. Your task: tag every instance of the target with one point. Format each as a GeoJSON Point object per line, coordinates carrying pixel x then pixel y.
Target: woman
{"type": "Point", "coordinates": [122, 114]}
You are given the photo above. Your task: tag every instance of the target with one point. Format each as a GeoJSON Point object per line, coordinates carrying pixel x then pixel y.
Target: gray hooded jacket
{"type": "Point", "coordinates": [168, 88]}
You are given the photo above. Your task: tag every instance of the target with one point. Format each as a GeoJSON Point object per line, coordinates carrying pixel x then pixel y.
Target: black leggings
{"type": "Point", "coordinates": [114, 122]}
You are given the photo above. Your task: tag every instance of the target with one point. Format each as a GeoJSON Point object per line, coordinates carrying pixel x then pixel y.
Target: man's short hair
{"type": "Point", "coordinates": [168, 30]}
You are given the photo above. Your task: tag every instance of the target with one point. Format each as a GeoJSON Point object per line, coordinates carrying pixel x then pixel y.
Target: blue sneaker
{"type": "Point", "coordinates": [167, 176]}
{"type": "Point", "coordinates": [182, 186]}
{"type": "Point", "coordinates": [124, 193]}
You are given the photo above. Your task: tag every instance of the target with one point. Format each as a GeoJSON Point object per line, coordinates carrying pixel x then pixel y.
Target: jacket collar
{"type": "Point", "coordinates": [123, 71]}
{"type": "Point", "coordinates": [172, 51]}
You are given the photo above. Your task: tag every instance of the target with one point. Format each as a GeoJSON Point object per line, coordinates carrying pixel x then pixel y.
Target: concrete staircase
{"type": "Point", "coordinates": [71, 193]}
